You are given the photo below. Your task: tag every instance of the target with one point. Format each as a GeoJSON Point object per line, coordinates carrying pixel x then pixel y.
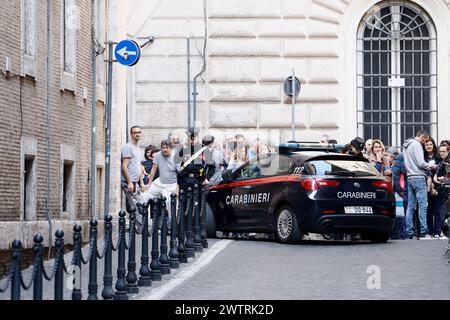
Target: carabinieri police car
{"type": "Point", "coordinates": [301, 189]}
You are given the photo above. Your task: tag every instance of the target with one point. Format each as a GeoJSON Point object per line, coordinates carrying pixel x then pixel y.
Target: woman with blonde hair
{"type": "Point", "coordinates": [240, 157]}
{"type": "Point", "coordinates": [376, 154]}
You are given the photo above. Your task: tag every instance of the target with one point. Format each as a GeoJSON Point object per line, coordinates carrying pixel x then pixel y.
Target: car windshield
{"type": "Point", "coordinates": [340, 167]}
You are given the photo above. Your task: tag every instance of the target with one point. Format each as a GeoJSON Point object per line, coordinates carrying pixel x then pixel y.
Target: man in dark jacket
{"type": "Point", "coordinates": [194, 161]}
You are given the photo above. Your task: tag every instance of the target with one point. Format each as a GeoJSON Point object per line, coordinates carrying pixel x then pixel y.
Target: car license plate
{"type": "Point", "coordinates": [358, 210]}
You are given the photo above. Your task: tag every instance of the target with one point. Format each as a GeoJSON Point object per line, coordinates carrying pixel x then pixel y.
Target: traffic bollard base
{"type": "Point", "coordinates": [183, 259]}
{"type": "Point", "coordinates": [205, 244]}
{"type": "Point", "coordinates": [165, 269]}
{"type": "Point", "coordinates": [190, 253]}
{"type": "Point", "coordinates": [174, 264]}
{"type": "Point", "coordinates": [145, 282]}
{"type": "Point", "coordinates": [121, 296]}
{"type": "Point", "coordinates": [156, 276]}
{"type": "Point", "coordinates": [198, 247]}
{"type": "Point", "coordinates": [133, 289]}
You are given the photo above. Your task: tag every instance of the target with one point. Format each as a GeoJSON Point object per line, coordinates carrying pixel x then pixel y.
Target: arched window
{"type": "Point", "coordinates": [396, 49]}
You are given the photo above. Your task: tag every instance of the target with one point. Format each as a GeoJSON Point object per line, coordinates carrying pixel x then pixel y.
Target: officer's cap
{"type": "Point", "coordinates": [358, 143]}
{"type": "Point", "coordinates": [192, 132]}
{"type": "Point", "coordinates": [208, 139]}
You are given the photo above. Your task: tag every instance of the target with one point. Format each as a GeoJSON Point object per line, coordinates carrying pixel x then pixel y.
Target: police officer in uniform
{"type": "Point", "coordinates": [194, 162]}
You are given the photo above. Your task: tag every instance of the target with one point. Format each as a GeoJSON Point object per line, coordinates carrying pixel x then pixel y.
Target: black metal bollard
{"type": "Point", "coordinates": [16, 256]}
{"type": "Point", "coordinates": [190, 251]}
{"type": "Point", "coordinates": [121, 286]}
{"type": "Point", "coordinates": [173, 253]}
{"type": "Point", "coordinates": [93, 286]}
{"type": "Point", "coordinates": [131, 275]}
{"type": "Point", "coordinates": [154, 264]}
{"type": "Point", "coordinates": [108, 293]}
{"type": "Point", "coordinates": [59, 260]}
{"type": "Point", "coordinates": [196, 213]}
{"type": "Point", "coordinates": [181, 224]}
{"type": "Point", "coordinates": [204, 194]}
{"type": "Point", "coordinates": [163, 258]}
{"type": "Point", "coordinates": [77, 238]}
{"type": "Point", "coordinates": [144, 271]}
{"type": "Point", "coordinates": [38, 249]}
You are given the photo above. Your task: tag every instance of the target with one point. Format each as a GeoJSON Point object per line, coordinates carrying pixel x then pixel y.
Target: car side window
{"type": "Point", "coordinates": [249, 171]}
{"type": "Point", "coordinates": [276, 165]}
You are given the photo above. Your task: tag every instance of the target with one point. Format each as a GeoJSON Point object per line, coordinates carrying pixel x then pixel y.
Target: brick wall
{"type": "Point", "coordinates": [23, 105]}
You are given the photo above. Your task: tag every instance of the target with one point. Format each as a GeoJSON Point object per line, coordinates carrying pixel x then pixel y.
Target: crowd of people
{"type": "Point", "coordinates": [417, 172]}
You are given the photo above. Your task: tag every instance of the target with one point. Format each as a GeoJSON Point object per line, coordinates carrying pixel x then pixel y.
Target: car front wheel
{"type": "Point", "coordinates": [286, 226]}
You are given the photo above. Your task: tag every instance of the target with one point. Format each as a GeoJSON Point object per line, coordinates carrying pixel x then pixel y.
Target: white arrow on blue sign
{"type": "Point", "coordinates": [127, 52]}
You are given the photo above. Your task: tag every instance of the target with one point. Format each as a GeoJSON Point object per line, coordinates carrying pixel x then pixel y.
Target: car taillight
{"type": "Point", "coordinates": [383, 185]}
{"type": "Point", "coordinates": [311, 184]}
{"type": "Point", "coordinates": [328, 183]}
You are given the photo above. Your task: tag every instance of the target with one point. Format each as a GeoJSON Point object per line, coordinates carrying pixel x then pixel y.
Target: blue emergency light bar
{"type": "Point", "coordinates": [309, 146]}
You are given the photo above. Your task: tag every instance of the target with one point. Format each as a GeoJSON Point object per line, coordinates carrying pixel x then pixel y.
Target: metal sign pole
{"type": "Point", "coordinates": [293, 104]}
{"type": "Point", "coordinates": [108, 129]}
{"type": "Point", "coordinates": [189, 80]}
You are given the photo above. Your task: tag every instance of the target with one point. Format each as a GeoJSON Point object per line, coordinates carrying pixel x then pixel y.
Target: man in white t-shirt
{"type": "Point", "coordinates": [166, 184]}
{"type": "Point", "coordinates": [131, 179]}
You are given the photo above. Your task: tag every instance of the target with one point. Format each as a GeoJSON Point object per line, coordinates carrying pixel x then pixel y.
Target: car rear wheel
{"type": "Point", "coordinates": [286, 226]}
{"type": "Point", "coordinates": [379, 237]}
{"type": "Point", "coordinates": [210, 222]}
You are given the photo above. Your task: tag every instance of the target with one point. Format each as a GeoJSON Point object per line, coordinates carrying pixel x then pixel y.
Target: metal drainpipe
{"type": "Point", "coordinates": [94, 116]}
{"type": "Point", "coordinates": [189, 80]}
{"type": "Point", "coordinates": [49, 3]}
{"type": "Point", "coordinates": [108, 129]}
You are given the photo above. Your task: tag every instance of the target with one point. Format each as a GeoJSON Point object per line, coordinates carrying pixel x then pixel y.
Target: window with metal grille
{"type": "Point", "coordinates": [396, 73]}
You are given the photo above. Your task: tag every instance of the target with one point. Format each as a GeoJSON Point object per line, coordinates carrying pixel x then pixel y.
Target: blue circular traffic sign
{"type": "Point", "coordinates": [127, 52]}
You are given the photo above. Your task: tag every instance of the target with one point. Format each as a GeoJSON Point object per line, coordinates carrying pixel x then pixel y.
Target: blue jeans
{"type": "Point", "coordinates": [417, 193]}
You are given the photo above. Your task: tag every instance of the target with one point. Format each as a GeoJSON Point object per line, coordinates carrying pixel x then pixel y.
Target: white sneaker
{"type": "Point", "coordinates": [443, 237]}
{"type": "Point", "coordinates": [427, 237]}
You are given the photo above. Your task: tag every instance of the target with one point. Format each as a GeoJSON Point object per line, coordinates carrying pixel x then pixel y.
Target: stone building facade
{"type": "Point", "coordinates": [253, 45]}
{"type": "Point", "coordinates": [45, 122]}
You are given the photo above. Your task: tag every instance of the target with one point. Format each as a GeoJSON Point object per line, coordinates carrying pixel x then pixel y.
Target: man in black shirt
{"type": "Point", "coordinates": [194, 161]}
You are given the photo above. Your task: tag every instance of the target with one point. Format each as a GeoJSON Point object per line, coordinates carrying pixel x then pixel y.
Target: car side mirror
{"type": "Point", "coordinates": [226, 175]}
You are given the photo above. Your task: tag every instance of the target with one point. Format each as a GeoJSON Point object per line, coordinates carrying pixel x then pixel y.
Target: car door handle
{"type": "Point", "coordinates": [247, 187]}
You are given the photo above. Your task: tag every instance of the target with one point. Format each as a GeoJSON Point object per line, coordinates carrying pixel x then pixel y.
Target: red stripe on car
{"type": "Point", "coordinates": [258, 181]}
